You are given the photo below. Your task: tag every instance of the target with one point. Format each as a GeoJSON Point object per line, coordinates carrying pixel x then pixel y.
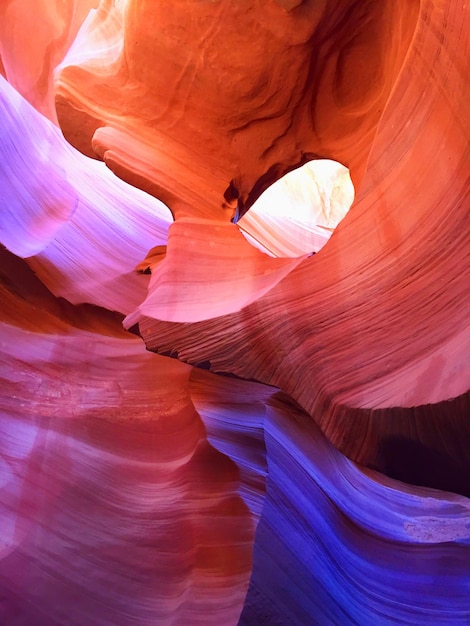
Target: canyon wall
{"type": "Point", "coordinates": [194, 430]}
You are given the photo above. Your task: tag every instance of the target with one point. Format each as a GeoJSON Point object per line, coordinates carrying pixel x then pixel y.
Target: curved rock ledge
{"type": "Point", "coordinates": [254, 477]}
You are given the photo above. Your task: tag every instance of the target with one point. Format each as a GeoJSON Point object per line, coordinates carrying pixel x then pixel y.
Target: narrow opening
{"type": "Point", "coordinates": [298, 213]}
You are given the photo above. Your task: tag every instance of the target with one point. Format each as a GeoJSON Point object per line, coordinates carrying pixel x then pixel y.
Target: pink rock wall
{"type": "Point", "coordinates": [140, 488]}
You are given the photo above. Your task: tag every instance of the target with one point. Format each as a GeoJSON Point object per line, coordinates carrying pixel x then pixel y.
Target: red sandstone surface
{"type": "Point", "coordinates": [298, 450]}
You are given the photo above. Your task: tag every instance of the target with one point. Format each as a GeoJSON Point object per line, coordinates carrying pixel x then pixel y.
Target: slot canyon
{"type": "Point", "coordinates": [235, 312]}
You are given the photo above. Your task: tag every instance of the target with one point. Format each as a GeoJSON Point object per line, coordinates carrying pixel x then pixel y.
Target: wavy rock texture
{"type": "Point", "coordinates": [236, 96]}
{"type": "Point", "coordinates": [86, 229]}
{"type": "Point", "coordinates": [320, 529]}
{"type": "Point", "coordinates": [114, 506]}
{"type": "Point", "coordinates": [29, 53]}
{"type": "Point", "coordinates": [377, 322]}
{"type": "Point", "coordinates": [137, 489]}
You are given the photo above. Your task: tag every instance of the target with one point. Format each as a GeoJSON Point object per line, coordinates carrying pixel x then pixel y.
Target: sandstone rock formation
{"type": "Point", "coordinates": [298, 450]}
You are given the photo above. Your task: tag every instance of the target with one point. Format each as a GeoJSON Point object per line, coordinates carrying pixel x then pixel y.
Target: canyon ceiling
{"type": "Point", "coordinates": [226, 397]}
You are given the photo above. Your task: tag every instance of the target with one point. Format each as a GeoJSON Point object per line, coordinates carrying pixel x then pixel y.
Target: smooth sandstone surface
{"type": "Point", "coordinates": [299, 450]}
{"type": "Point", "coordinates": [114, 506]}
{"type": "Point", "coordinates": [377, 322]}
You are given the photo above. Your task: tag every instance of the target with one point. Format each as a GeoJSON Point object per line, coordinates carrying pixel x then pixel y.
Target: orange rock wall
{"type": "Point", "coordinates": [298, 450]}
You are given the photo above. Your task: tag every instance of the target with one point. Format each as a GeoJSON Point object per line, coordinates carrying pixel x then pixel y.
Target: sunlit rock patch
{"type": "Point", "coordinates": [298, 213]}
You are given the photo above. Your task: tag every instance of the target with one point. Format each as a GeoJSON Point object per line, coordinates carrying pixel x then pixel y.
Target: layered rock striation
{"type": "Point", "coordinates": [297, 451]}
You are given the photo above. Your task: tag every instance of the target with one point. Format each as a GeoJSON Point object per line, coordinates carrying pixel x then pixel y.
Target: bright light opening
{"type": "Point", "coordinates": [298, 213]}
